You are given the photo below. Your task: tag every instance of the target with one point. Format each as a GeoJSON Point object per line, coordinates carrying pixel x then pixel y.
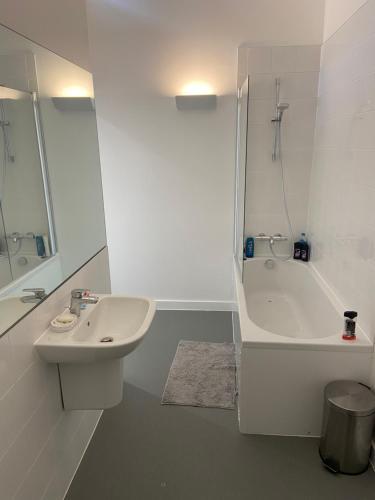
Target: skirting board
{"type": "Point", "coordinates": [191, 305]}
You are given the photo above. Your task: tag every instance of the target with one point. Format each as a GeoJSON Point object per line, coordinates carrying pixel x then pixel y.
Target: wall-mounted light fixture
{"type": "Point", "coordinates": [74, 98]}
{"type": "Point", "coordinates": [74, 103]}
{"type": "Point", "coordinates": [185, 102]}
{"type": "Point", "coordinates": [75, 91]}
{"type": "Point", "coordinates": [196, 95]}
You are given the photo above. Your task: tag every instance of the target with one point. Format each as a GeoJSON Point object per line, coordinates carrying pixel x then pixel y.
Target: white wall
{"type": "Point", "coordinates": [40, 444]}
{"type": "Point", "coordinates": [337, 12]}
{"type": "Point", "coordinates": [168, 176]}
{"type": "Point", "coordinates": [59, 26]}
{"type": "Point", "coordinates": [297, 67]}
{"type": "Point", "coordinates": [341, 220]}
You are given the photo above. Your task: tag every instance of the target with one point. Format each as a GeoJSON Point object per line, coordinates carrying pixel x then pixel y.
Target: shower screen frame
{"type": "Point", "coordinates": [41, 152]}
{"type": "Point", "coordinates": [44, 170]}
{"type": "Point", "coordinates": [243, 102]}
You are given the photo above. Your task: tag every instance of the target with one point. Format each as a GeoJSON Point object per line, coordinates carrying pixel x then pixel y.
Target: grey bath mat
{"type": "Point", "coordinates": [202, 374]}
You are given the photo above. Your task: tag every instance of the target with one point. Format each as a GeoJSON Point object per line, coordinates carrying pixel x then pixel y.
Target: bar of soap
{"type": "Point", "coordinates": [64, 322]}
{"type": "Point", "coordinates": [65, 318]}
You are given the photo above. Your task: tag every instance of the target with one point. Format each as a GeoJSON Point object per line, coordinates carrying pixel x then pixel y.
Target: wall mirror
{"type": "Point", "coordinates": [51, 204]}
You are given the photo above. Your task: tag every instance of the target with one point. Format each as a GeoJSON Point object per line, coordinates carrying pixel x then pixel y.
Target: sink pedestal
{"type": "Point", "coordinates": [91, 386]}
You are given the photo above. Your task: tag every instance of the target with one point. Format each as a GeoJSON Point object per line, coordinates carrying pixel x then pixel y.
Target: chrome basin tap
{"type": "Point", "coordinates": [38, 294]}
{"type": "Point", "coordinates": [80, 296]}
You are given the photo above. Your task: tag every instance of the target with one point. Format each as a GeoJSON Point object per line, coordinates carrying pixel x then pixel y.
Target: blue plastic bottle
{"type": "Point", "coordinates": [249, 248]}
{"type": "Point", "coordinates": [40, 250]}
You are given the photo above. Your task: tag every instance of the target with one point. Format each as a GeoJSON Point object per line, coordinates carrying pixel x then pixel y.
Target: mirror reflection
{"type": "Point", "coordinates": [25, 241]}
{"type": "Point", "coordinates": [51, 206]}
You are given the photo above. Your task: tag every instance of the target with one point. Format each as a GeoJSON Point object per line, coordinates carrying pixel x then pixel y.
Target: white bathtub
{"type": "Point", "coordinates": [23, 263]}
{"type": "Point", "coordinates": [287, 331]}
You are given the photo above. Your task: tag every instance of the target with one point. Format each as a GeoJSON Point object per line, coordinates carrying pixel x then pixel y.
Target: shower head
{"type": "Point", "coordinates": [281, 107]}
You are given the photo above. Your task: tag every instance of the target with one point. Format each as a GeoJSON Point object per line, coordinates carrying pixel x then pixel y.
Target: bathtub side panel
{"type": "Point", "coordinates": [282, 391]}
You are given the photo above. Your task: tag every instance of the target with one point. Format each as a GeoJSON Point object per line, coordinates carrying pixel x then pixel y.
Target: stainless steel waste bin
{"type": "Point", "coordinates": [348, 423]}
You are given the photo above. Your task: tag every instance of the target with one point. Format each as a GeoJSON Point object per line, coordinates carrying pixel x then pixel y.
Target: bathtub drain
{"type": "Point", "coordinates": [269, 264]}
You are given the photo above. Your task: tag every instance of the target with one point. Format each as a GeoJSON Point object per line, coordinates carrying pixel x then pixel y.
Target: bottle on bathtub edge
{"type": "Point", "coordinates": [349, 330]}
{"type": "Point", "coordinates": [249, 247]}
{"type": "Point", "coordinates": [40, 250]}
{"type": "Point", "coordinates": [302, 249]}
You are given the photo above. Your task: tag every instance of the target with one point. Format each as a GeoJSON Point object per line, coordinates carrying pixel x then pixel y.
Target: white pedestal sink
{"type": "Point", "coordinates": [90, 356]}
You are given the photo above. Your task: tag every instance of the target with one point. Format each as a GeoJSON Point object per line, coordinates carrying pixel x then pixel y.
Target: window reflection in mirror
{"type": "Point", "coordinates": [51, 206]}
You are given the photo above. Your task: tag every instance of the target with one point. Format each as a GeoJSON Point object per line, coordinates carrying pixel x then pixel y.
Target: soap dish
{"type": "Point", "coordinates": [64, 322]}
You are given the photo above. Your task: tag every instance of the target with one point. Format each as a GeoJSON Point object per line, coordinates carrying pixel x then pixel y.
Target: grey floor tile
{"type": "Point", "coordinates": [145, 451]}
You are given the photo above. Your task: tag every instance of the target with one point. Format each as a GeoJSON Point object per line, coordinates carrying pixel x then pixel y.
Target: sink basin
{"type": "Point", "coordinates": [90, 356]}
{"type": "Point", "coordinates": [120, 321]}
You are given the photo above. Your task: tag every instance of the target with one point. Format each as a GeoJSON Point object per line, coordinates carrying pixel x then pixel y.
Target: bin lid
{"type": "Point", "coordinates": [350, 397]}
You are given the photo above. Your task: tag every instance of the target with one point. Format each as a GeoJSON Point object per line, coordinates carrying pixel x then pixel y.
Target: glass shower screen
{"type": "Point", "coordinates": [241, 160]}
{"type": "Point", "coordinates": [24, 216]}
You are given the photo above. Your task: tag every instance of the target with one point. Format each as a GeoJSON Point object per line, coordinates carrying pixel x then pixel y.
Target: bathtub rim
{"type": "Point", "coordinates": [259, 338]}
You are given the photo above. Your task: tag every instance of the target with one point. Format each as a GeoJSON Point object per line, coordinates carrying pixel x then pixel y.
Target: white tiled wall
{"type": "Point", "coordinates": [40, 444]}
{"type": "Point", "coordinates": [298, 70]}
{"type": "Point", "coordinates": [341, 215]}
